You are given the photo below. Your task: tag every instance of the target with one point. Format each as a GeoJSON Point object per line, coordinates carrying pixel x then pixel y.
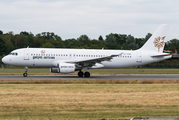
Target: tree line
{"type": "Point", "coordinates": [10, 41]}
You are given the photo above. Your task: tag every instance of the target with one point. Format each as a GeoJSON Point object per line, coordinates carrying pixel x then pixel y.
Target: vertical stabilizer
{"type": "Point", "coordinates": [157, 41]}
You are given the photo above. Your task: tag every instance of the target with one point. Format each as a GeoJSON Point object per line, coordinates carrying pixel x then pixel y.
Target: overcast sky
{"type": "Point", "coordinates": [72, 18]}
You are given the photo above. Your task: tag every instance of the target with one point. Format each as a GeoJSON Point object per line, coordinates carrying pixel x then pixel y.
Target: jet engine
{"type": "Point", "coordinates": [63, 68]}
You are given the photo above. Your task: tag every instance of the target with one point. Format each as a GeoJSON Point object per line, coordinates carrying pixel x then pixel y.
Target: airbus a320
{"type": "Point", "coordinates": [71, 60]}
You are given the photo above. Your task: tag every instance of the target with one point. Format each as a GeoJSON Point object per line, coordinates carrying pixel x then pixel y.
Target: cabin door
{"type": "Point", "coordinates": [139, 57]}
{"type": "Point", "coordinates": [26, 54]}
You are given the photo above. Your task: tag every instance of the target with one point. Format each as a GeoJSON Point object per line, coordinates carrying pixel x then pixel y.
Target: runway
{"type": "Point", "coordinates": [94, 77]}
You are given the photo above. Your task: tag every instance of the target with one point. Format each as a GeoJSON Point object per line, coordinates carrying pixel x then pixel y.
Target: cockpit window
{"type": "Point", "coordinates": [12, 53]}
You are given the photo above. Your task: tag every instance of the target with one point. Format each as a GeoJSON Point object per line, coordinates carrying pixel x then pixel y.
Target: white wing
{"type": "Point", "coordinates": [93, 61]}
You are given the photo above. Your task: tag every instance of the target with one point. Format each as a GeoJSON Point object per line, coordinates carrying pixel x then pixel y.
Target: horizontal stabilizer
{"type": "Point", "coordinates": [161, 55]}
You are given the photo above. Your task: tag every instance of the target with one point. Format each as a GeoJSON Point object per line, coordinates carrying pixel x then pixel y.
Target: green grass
{"type": "Point", "coordinates": [88, 101]}
{"type": "Point", "coordinates": [46, 71]}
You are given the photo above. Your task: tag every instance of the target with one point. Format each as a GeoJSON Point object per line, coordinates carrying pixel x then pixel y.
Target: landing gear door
{"type": "Point", "coordinates": [139, 57]}
{"type": "Point", "coordinates": [26, 54]}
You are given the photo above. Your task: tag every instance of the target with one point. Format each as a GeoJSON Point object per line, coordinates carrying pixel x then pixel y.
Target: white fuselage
{"type": "Point", "coordinates": [70, 60]}
{"type": "Point", "coordinates": [46, 57]}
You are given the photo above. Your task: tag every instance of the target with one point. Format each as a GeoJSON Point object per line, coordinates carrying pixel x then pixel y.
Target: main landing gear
{"type": "Point", "coordinates": [25, 74]}
{"type": "Point", "coordinates": [86, 74]}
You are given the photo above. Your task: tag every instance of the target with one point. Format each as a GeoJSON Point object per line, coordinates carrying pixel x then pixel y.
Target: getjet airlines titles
{"type": "Point", "coordinates": [70, 60]}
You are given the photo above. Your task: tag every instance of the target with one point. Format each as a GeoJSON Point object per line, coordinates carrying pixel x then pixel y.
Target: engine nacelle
{"type": "Point", "coordinates": [63, 68]}
{"type": "Point", "coordinates": [54, 70]}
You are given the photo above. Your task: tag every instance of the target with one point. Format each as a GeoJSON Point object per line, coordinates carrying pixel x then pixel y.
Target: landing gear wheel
{"type": "Point", "coordinates": [80, 74]}
{"type": "Point", "coordinates": [25, 74]}
{"type": "Point", "coordinates": [87, 74]}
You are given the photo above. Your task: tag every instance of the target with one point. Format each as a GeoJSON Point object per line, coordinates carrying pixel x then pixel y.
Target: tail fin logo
{"type": "Point", "coordinates": [159, 44]}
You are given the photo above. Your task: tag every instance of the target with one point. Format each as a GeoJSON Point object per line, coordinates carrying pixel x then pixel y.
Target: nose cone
{"type": "Point", "coordinates": [4, 60]}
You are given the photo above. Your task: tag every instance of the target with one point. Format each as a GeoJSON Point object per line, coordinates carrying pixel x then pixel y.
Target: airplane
{"type": "Point", "coordinates": [71, 60]}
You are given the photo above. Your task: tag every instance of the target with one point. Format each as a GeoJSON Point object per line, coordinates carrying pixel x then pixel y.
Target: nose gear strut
{"type": "Point", "coordinates": [25, 74]}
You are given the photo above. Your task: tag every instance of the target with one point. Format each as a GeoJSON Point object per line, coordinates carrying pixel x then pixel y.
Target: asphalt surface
{"type": "Point", "coordinates": [94, 77]}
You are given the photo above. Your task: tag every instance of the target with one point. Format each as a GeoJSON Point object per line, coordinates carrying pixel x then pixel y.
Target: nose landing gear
{"type": "Point", "coordinates": [25, 74]}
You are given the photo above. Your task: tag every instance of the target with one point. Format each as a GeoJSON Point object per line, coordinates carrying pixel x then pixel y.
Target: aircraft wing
{"type": "Point", "coordinates": [92, 62]}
